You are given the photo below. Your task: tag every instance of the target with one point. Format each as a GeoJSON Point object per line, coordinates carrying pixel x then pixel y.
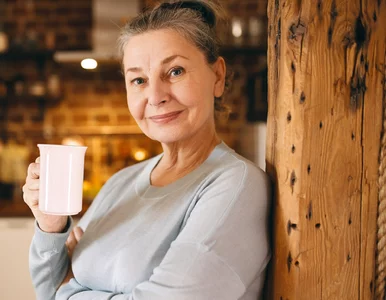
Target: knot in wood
{"type": "Point", "coordinates": [296, 32]}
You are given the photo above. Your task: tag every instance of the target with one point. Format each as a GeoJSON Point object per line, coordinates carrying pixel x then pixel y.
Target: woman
{"type": "Point", "coordinates": [187, 224]}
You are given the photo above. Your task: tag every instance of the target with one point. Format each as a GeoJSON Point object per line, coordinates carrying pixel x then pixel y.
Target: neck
{"type": "Point", "coordinates": [184, 156]}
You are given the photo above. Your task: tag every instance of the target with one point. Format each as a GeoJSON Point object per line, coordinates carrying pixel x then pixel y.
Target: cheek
{"type": "Point", "coordinates": [205, 98]}
{"type": "Point", "coordinates": [136, 107]}
{"type": "Point", "coordinates": [194, 93]}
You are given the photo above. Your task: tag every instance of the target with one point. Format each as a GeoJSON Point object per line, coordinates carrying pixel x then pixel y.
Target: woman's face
{"type": "Point", "coordinates": [170, 86]}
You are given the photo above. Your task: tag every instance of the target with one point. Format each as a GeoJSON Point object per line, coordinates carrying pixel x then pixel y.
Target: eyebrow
{"type": "Point", "coordinates": [163, 62]}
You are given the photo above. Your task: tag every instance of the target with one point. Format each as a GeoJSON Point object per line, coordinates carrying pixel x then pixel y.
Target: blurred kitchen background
{"type": "Point", "coordinates": [50, 94]}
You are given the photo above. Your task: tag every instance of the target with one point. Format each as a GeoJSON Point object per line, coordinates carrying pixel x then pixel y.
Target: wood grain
{"type": "Point", "coordinates": [324, 127]}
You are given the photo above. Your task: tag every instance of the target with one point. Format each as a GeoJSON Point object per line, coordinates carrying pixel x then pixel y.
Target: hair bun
{"type": "Point", "coordinates": [205, 10]}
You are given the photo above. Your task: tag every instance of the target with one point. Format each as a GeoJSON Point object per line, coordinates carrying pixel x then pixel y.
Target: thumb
{"type": "Point", "coordinates": [78, 232]}
{"type": "Point", "coordinates": [71, 243]}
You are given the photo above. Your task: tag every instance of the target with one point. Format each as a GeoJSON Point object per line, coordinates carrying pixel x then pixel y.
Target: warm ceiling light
{"type": "Point", "coordinates": [73, 141]}
{"type": "Point", "coordinates": [89, 63]}
{"type": "Point", "coordinates": [140, 154]}
{"type": "Point", "coordinates": [237, 29]}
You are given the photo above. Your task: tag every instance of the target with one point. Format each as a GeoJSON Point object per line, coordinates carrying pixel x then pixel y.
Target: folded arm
{"type": "Point", "coordinates": [220, 252]}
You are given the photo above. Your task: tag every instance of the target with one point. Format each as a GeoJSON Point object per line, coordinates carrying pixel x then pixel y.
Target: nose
{"type": "Point", "coordinates": [158, 92]}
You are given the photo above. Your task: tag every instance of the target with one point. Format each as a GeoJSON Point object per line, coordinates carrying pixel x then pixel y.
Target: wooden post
{"type": "Point", "coordinates": [326, 85]}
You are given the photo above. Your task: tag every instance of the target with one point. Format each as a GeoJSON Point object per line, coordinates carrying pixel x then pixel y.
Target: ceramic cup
{"type": "Point", "coordinates": [61, 179]}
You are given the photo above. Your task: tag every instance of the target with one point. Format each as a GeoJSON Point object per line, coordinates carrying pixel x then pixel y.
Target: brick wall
{"type": "Point", "coordinates": [65, 25]}
{"type": "Point", "coordinates": [94, 101]}
{"type": "Point", "coordinates": [94, 109]}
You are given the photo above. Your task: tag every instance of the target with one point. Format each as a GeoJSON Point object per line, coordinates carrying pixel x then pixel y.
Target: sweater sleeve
{"type": "Point", "coordinates": [48, 261]}
{"type": "Point", "coordinates": [221, 252]}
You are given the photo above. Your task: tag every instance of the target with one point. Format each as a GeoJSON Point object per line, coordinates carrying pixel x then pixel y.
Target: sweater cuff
{"type": "Point", "coordinates": [52, 241]}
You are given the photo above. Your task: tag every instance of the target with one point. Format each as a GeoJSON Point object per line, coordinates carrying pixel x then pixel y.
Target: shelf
{"type": "Point", "coordinates": [37, 55]}
{"type": "Point", "coordinates": [30, 99]}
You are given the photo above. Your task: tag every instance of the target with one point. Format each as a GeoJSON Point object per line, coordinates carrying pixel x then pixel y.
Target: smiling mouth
{"type": "Point", "coordinates": [165, 117]}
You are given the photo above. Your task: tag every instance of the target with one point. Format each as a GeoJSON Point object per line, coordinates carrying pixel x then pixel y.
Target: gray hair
{"type": "Point", "coordinates": [194, 20]}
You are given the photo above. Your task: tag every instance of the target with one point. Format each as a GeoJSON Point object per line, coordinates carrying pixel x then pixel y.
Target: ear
{"type": "Point", "coordinates": [219, 68]}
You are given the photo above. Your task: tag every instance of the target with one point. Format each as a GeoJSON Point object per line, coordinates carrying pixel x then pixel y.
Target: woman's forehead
{"type": "Point", "coordinates": [156, 46]}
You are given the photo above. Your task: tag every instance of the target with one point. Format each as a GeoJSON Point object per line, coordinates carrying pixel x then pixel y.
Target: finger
{"type": "Point", "coordinates": [31, 184]}
{"type": "Point", "coordinates": [33, 171]}
{"type": "Point", "coordinates": [31, 198]}
{"type": "Point", "coordinates": [78, 232]}
{"type": "Point", "coordinates": [71, 243]}
{"type": "Point", "coordinates": [37, 160]}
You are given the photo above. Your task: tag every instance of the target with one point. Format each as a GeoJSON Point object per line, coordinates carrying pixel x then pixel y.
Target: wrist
{"type": "Point", "coordinates": [58, 226]}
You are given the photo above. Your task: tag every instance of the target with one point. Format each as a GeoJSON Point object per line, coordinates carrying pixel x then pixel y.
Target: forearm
{"type": "Point", "coordinates": [189, 272]}
{"type": "Point", "coordinates": [74, 291]}
{"type": "Point", "coordinates": [48, 261]}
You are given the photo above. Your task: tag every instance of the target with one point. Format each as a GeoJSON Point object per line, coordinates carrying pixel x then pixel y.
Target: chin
{"type": "Point", "coordinates": [168, 136]}
{"type": "Point", "coordinates": [163, 136]}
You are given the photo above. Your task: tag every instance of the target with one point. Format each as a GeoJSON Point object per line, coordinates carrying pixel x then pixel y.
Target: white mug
{"type": "Point", "coordinates": [61, 179]}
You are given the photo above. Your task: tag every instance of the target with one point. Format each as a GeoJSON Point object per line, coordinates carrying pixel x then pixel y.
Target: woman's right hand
{"type": "Point", "coordinates": [47, 223]}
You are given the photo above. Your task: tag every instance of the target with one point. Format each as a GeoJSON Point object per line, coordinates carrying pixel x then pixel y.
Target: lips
{"type": "Point", "coordinates": [165, 118]}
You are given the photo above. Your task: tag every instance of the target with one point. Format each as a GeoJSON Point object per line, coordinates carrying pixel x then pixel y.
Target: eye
{"type": "Point", "coordinates": [138, 81]}
{"type": "Point", "coordinates": [176, 72]}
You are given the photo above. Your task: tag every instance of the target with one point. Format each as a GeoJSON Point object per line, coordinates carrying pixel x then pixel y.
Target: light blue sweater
{"type": "Point", "coordinates": [204, 236]}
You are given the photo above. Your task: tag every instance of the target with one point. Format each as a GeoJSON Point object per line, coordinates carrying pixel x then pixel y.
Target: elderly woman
{"type": "Point", "coordinates": [190, 223]}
